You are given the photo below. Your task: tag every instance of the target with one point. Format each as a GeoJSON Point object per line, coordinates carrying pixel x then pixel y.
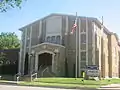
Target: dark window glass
{"type": "Point", "coordinates": [83, 56]}
{"type": "Point", "coordinates": [58, 39]}
{"type": "Point", "coordinates": [83, 64]}
{"type": "Point", "coordinates": [53, 39]}
{"type": "Point", "coordinates": [48, 39]}
{"type": "Point", "coordinates": [83, 46]}
{"type": "Point", "coordinates": [83, 38]}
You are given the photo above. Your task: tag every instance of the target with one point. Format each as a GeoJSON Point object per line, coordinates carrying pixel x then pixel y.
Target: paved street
{"type": "Point", "coordinates": [10, 87]}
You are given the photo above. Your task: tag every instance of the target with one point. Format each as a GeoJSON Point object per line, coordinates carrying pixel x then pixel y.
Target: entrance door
{"type": "Point", "coordinates": [45, 59]}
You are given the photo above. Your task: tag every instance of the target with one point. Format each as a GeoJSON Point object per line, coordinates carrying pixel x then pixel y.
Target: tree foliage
{"type": "Point", "coordinates": [6, 4]}
{"type": "Point", "coordinates": [9, 41]}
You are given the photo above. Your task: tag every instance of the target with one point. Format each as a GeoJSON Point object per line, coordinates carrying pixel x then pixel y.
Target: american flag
{"type": "Point", "coordinates": [74, 26]}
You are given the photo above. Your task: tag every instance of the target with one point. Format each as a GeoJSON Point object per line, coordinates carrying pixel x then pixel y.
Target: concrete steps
{"type": "Point", "coordinates": [45, 72]}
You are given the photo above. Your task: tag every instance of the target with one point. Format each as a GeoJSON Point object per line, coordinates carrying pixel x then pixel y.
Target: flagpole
{"type": "Point", "coordinates": [100, 62]}
{"type": "Point", "coordinates": [76, 49]}
{"type": "Point", "coordinates": [79, 20]}
{"type": "Point", "coordinates": [102, 20]}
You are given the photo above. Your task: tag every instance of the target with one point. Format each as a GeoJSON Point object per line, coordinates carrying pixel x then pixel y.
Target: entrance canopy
{"type": "Point", "coordinates": [55, 52]}
{"type": "Point", "coordinates": [48, 47]}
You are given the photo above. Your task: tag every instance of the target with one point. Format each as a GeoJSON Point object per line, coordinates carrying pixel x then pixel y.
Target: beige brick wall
{"type": "Point", "coordinates": [104, 56]}
{"type": "Point", "coordinates": [106, 46]}
{"type": "Point", "coordinates": [109, 54]}
{"type": "Point", "coordinates": [113, 57]}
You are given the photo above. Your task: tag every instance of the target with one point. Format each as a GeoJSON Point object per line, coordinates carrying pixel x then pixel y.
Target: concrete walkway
{"type": "Point", "coordinates": [110, 87]}
{"type": "Point", "coordinates": [8, 82]}
{"type": "Point", "coordinates": [15, 83]}
{"type": "Point", "coordinates": [10, 87]}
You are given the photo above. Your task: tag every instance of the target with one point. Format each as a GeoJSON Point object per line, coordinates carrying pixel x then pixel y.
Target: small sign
{"type": "Point", "coordinates": [92, 71]}
{"type": "Point", "coordinates": [92, 67]}
{"type": "Point", "coordinates": [83, 74]}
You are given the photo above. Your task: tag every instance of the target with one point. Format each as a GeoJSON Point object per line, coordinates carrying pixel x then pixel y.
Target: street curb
{"type": "Point", "coordinates": [62, 87]}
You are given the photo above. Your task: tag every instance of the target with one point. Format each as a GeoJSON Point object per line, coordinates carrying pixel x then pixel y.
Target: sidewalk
{"type": "Point", "coordinates": [14, 83]}
{"type": "Point", "coordinates": [9, 82]}
{"type": "Point", "coordinates": [111, 86]}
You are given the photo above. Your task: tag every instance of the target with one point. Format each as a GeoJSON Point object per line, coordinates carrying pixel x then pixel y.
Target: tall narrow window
{"type": "Point", "coordinates": [83, 46]}
{"type": "Point", "coordinates": [53, 39]}
{"type": "Point", "coordinates": [58, 39]}
{"type": "Point", "coordinates": [83, 25]}
{"type": "Point", "coordinates": [83, 56]}
{"type": "Point", "coordinates": [48, 39]}
{"type": "Point", "coordinates": [83, 30]}
{"type": "Point", "coordinates": [83, 64]}
{"type": "Point", "coordinates": [83, 38]}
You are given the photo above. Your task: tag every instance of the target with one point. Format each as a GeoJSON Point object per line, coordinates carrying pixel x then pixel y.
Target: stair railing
{"type": "Point", "coordinates": [44, 71]}
{"type": "Point", "coordinates": [17, 77]}
{"type": "Point", "coordinates": [34, 74]}
{"type": "Point", "coordinates": [40, 67]}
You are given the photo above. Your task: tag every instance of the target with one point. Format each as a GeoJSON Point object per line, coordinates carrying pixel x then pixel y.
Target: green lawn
{"type": "Point", "coordinates": [70, 82]}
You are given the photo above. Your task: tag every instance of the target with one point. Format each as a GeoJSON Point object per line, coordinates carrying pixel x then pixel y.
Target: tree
{"type": "Point", "coordinates": [6, 4]}
{"type": "Point", "coordinates": [9, 40]}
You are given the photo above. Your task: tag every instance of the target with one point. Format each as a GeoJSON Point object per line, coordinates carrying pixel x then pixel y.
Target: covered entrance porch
{"type": "Point", "coordinates": [45, 63]}
{"type": "Point", "coordinates": [48, 60]}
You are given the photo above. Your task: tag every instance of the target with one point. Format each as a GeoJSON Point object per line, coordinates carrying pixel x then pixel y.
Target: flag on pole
{"type": "Point", "coordinates": [74, 26]}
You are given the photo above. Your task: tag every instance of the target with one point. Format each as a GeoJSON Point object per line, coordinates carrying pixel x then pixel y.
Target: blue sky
{"type": "Point", "coordinates": [32, 10]}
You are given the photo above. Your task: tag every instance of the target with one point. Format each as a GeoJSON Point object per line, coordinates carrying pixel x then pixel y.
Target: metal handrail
{"type": "Point", "coordinates": [44, 70]}
{"type": "Point", "coordinates": [17, 76]}
{"type": "Point", "coordinates": [34, 74]}
{"type": "Point", "coordinates": [40, 66]}
{"type": "Point", "coordinates": [48, 70]}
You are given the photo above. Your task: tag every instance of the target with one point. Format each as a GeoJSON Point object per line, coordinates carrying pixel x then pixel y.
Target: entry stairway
{"type": "Point", "coordinates": [45, 71]}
